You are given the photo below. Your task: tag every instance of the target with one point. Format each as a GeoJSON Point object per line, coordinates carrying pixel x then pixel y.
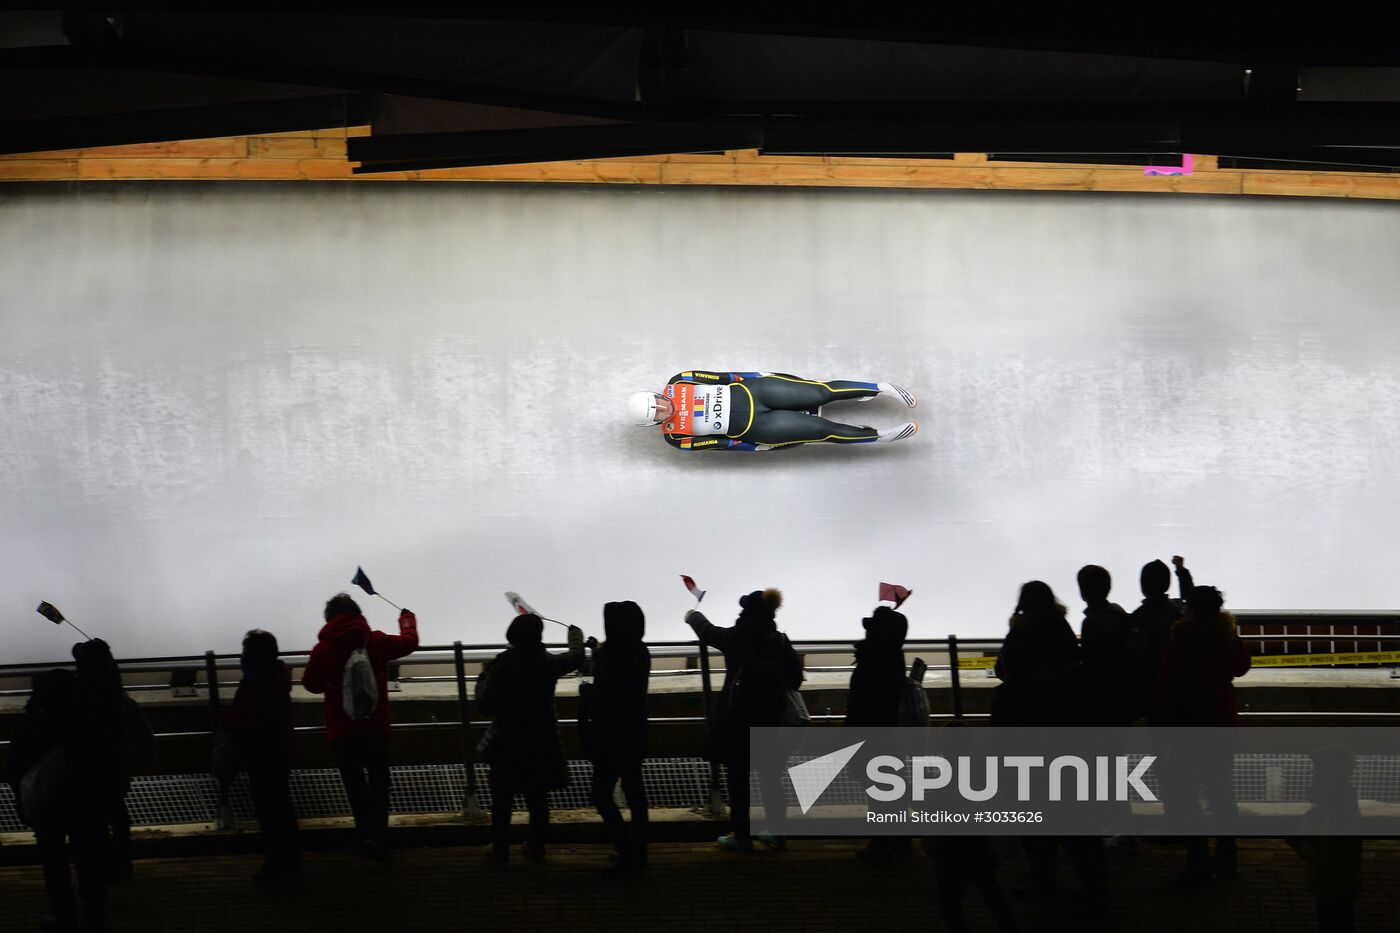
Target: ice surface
{"type": "Point", "coordinates": [217, 400]}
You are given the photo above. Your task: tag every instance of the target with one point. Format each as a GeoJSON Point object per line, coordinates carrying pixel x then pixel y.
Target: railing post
{"type": "Point", "coordinates": [223, 809]}
{"type": "Point", "coordinates": [953, 676]}
{"type": "Point", "coordinates": [714, 803]}
{"type": "Point", "coordinates": [211, 674]}
{"type": "Point", "coordinates": [470, 806]}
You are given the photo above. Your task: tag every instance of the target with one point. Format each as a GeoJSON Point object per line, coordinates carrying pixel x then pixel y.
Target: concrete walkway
{"type": "Point", "coordinates": [814, 886]}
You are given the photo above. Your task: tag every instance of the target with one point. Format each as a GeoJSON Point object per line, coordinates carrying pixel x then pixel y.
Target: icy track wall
{"type": "Point", "coordinates": [216, 401]}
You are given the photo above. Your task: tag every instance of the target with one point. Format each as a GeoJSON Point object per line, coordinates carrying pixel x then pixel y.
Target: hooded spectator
{"type": "Point", "coordinates": [522, 744]}
{"type": "Point", "coordinates": [877, 685]}
{"type": "Point", "coordinates": [261, 724]}
{"type": "Point", "coordinates": [59, 767]}
{"type": "Point", "coordinates": [760, 667]}
{"type": "Point", "coordinates": [877, 681]}
{"type": "Point", "coordinates": [618, 729]}
{"type": "Point", "coordinates": [357, 711]}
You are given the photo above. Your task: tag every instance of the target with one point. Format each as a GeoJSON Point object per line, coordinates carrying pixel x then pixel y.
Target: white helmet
{"type": "Point", "coordinates": [649, 408]}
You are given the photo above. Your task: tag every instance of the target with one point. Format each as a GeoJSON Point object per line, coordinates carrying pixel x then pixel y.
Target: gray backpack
{"type": "Point", "coordinates": [359, 694]}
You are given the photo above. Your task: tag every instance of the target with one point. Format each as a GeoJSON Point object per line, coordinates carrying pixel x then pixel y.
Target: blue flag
{"type": "Point", "coordinates": [362, 581]}
{"type": "Point", "coordinates": [50, 612]}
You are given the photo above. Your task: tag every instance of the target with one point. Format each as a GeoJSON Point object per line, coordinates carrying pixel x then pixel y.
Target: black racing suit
{"type": "Point", "coordinates": [766, 411]}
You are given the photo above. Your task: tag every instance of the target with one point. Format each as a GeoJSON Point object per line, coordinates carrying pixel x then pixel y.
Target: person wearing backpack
{"type": "Point", "coordinates": [350, 666]}
{"type": "Point", "coordinates": [56, 767]}
{"type": "Point", "coordinates": [877, 697]}
{"type": "Point", "coordinates": [761, 670]}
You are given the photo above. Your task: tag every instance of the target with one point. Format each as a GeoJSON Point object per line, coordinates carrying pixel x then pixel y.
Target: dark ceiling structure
{"type": "Point", "coordinates": [467, 85]}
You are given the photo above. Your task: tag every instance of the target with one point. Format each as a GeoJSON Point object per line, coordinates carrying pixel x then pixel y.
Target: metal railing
{"type": "Point", "coordinates": [953, 648]}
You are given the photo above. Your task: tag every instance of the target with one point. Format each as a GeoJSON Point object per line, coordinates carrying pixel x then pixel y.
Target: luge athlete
{"type": "Point", "coordinates": [702, 410]}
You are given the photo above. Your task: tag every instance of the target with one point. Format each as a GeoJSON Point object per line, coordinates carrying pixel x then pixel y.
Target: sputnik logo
{"type": "Point", "coordinates": [811, 778]}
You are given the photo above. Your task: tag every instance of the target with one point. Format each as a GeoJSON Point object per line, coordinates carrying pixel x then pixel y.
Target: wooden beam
{"type": "Point", "coordinates": [318, 156]}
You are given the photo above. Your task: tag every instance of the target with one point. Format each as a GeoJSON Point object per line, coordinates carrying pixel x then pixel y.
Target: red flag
{"type": "Point", "coordinates": [695, 591]}
{"type": "Point", "coordinates": [893, 592]}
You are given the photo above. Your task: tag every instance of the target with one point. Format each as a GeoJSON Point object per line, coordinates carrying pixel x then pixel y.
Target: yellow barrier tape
{"type": "Point", "coordinates": [976, 664]}
{"type": "Point", "coordinates": [1312, 660]}
{"type": "Point", "coordinates": [1266, 660]}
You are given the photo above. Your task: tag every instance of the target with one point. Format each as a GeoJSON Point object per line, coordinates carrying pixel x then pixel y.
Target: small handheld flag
{"type": "Point", "coordinates": [523, 608]}
{"type": "Point", "coordinates": [50, 611]}
{"type": "Point", "coordinates": [893, 592]}
{"type": "Point", "coordinates": [695, 591]}
{"type": "Point", "coordinates": [362, 581]}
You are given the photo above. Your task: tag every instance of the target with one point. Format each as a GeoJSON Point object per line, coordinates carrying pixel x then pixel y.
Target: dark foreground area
{"type": "Point", "coordinates": [813, 886]}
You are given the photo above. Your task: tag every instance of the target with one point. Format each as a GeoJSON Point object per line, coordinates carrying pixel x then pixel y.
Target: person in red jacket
{"type": "Point", "coordinates": [358, 729]}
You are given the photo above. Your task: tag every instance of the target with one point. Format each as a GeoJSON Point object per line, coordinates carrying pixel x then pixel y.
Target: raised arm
{"type": "Point", "coordinates": [1184, 581]}
{"type": "Point", "coordinates": [406, 642]}
{"type": "Point", "coordinates": [571, 659]}
{"type": "Point", "coordinates": [709, 633]}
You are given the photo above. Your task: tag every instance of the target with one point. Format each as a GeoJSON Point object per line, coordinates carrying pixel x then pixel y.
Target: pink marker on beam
{"type": "Point", "coordinates": [1185, 168]}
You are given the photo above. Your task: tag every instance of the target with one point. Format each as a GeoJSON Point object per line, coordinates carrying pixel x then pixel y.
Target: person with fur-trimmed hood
{"type": "Point", "coordinates": [616, 736]}
{"type": "Point", "coordinates": [522, 743]}
{"type": "Point", "coordinates": [760, 667]}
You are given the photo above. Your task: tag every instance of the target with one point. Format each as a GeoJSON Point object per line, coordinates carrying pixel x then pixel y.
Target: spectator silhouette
{"type": "Point", "coordinates": [1153, 619]}
{"type": "Point", "coordinates": [617, 729]}
{"type": "Point", "coordinates": [114, 717]}
{"type": "Point", "coordinates": [1114, 651]}
{"type": "Point", "coordinates": [877, 685]}
{"type": "Point", "coordinates": [358, 730]}
{"type": "Point", "coordinates": [1042, 685]}
{"type": "Point", "coordinates": [960, 862]}
{"type": "Point", "coordinates": [61, 770]}
{"type": "Point", "coordinates": [1038, 665]}
{"type": "Point", "coordinates": [1111, 653]}
{"type": "Point", "coordinates": [261, 725]}
{"type": "Point", "coordinates": [522, 744]}
{"type": "Point", "coordinates": [1196, 688]}
{"type": "Point", "coordinates": [760, 667]}
{"type": "Point", "coordinates": [1332, 850]}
